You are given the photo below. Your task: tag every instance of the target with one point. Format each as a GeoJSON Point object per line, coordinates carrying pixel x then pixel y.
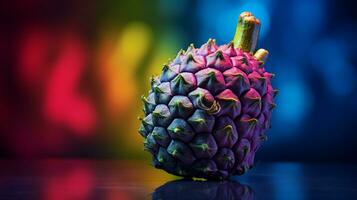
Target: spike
{"type": "Point", "coordinates": [142, 131]}
{"type": "Point", "coordinates": [272, 106]}
{"type": "Point", "coordinates": [199, 120]}
{"type": "Point", "coordinates": [229, 49]}
{"type": "Point", "coordinates": [181, 79]}
{"type": "Point", "coordinates": [219, 55]}
{"type": "Point", "coordinates": [190, 48]}
{"type": "Point", "coordinates": [165, 67]}
{"type": "Point", "coordinates": [145, 122]}
{"type": "Point", "coordinates": [153, 80]}
{"type": "Point", "coordinates": [211, 74]}
{"type": "Point", "coordinates": [263, 137]}
{"type": "Point", "coordinates": [262, 78]}
{"type": "Point", "coordinates": [231, 44]}
{"type": "Point", "coordinates": [158, 90]}
{"type": "Point", "coordinates": [244, 60]}
{"type": "Point", "coordinates": [252, 122]}
{"type": "Point", "coordinates": [181, 52]}
{"type": "Point", "coordinates": [256, 100]}
{"type": "Point", "coordinates": [245, 150]}
{"type": "Point", "coordinates": [161, 159]}
{"type": "Point", "coordinates": [204, 147]}
{"type": "Point", "coordinates": [275, 92]}
{"type": "Point", "coordinates": [156, 114]}
{"type": "Point", "coordinates": [177, 59]}
{"type": "Point", "coordinates": [239, 76]}
{"type": "Point", "coordinates": [177, 130]}
{"type": "Point", "coordinates": [154, 133]}
{"type": "Point", "coordinates": [144, 99]}
{"type": "Point", "coordinates": [190, 58]}
{"type": "Point", "coordinates": [228, 129]}
{"type": "Point", "coordinates": [211, 41]}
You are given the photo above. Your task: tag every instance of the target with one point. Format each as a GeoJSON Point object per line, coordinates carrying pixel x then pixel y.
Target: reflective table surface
{"type": "Point", "coordinates": [121, 180]}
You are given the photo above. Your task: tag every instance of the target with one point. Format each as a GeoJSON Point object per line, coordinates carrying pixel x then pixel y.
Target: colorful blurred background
{"type": "Point", "coordinates": [73, 71]}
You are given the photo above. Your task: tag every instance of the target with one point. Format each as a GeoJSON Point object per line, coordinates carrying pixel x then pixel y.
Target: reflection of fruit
{"type": "Point", "coordinates": [207, 190]}
{"type": "Point", "coordinates": [206, 114]}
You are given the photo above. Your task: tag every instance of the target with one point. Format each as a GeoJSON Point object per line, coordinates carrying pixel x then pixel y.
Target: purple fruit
{"type": "Point", "coordinates": [207, 113]}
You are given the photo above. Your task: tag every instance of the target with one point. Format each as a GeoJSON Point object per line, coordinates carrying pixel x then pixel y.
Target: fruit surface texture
{"type": "Point", "coordinates": [207, 112]}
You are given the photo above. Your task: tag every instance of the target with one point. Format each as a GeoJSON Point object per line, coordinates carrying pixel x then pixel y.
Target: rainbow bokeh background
{"type": "Point", "coordinates": [72, 72]}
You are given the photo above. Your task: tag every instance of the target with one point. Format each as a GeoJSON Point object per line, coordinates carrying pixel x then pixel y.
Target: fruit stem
{"type": "Point", "coordinates": [246, 36]}
{"type": "Point", "coordinates": [261, 55]}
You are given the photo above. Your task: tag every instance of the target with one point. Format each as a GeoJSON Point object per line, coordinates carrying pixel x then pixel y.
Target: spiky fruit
{"type": "Point", "coordinates": [207, 112]}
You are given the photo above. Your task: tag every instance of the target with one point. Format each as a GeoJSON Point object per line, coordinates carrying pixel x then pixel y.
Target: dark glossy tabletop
{"type": "Point", "coordinates": [121, 180]}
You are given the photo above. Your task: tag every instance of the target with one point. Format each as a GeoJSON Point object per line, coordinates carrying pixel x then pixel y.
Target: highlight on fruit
{"type": "Point", "coordinates": [207, 113]}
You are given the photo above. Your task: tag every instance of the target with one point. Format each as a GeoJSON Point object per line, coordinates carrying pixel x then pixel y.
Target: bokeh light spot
{"type": "Point", "coordinates": [329, 57]}
{"type": "Point", "coordinates": [307, 15]}
{"type": "Point", "coordinates": [295, 98]}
